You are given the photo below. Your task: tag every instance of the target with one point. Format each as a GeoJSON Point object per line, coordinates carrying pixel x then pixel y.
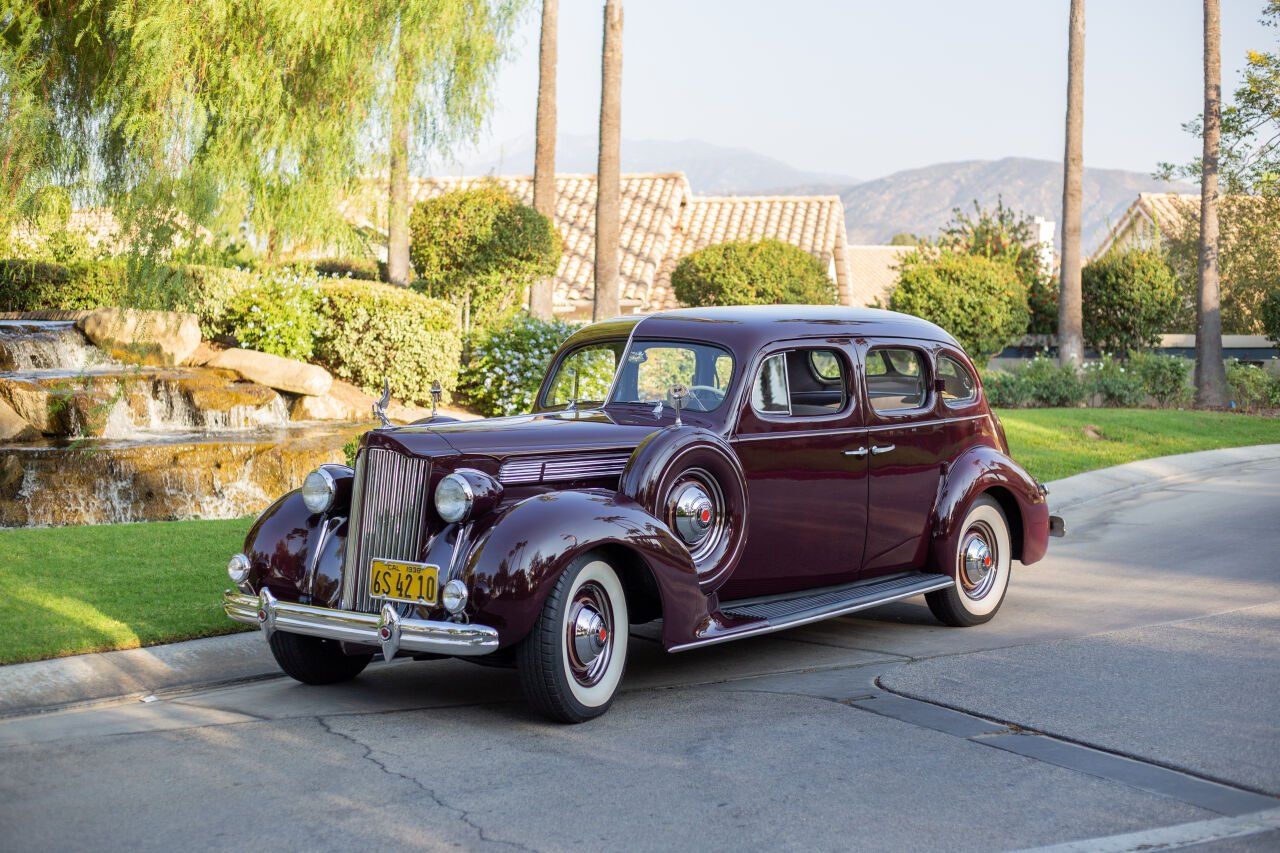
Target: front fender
{"type": "Point", "coordinates": [520, 551]}
{"type": "Point", "coordinates": [977, 471]}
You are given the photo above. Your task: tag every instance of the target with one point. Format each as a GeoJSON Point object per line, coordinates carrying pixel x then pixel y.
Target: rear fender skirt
{"type": "Point", "coordinates": [520, 550]}
{"type": "Point", "coordinates": [976, 471]}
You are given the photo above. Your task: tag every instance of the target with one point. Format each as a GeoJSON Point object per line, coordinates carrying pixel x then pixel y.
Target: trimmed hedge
{"type": "Point", "coordinates": [766, 272]}
{"type": "Point", "coordinates": [370, 332]}
{"type": "Point", "coordinates": [981, 302]}
{"type": "Point", "coordinates": [45, 286]}
{"type": "Point", "coordinates": [508, 362]}
{"type": "Point", "coordinates": [362, 269]}
{"type": "Point", "coordinates": [277, 314]}
{"type": "Point", "coordinates": [1129, 299]}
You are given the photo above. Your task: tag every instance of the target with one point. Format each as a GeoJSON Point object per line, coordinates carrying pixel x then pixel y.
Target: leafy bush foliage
{"type": "Point", "coordinates": [45, 286]}
{"type": "Point", "coordinates": [277, 314]}
{"type": "Point", "coordinates": [1251, 386]}
{"type": "Point", "coordinates": [767, 272]}
{"type": "Point", "coordinates": [1269, 315]}
{"type": "Point", "coordinates": [370, 332]}
{"type": "Point", "coordinates": [508, 362]}
{"type": "Point", "coordinates": [981, 302]}
{"type": "Point", "coordinates": [1112, 383]}
{"type": "Point", "coordinates": [1164, 378]}
{"type": "Point", "coordinates": [1052, 384]}
{"type": "Point", "coordinates": [362, 269]}
{"type": "Point", "coordinates": [206, 292]}
{"type": "Point", "coordinates": [1007, 389]}
{"type": "Point", "coordinates": [1129, 299]}
{"type": "Point", "coordinates": [481, 248]}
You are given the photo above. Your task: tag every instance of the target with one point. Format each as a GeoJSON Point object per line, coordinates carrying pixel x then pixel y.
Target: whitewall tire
{"type": "Point", "coordinates": [572, 661]}
{"type": "Point", "coordinates": [981, 564]}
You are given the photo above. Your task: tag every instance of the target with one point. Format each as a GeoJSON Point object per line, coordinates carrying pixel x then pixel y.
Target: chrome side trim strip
{"type": "Point", "coordinates": [807, 617]}
{"type": "Point", "coordinates": [415, 635]}
{"type": "Point", "coordinates": [854, 430]}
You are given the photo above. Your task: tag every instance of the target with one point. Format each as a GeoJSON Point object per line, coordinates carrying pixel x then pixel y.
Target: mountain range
{"type": "Point", "coordinates": [915, 201]}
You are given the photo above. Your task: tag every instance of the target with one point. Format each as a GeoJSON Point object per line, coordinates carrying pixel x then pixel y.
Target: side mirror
{"type": "Point", "coordinates": [939, 385]}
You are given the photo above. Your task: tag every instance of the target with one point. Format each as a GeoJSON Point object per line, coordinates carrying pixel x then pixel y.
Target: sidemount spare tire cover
{"type": "Point", "coordinates": [691, 479]}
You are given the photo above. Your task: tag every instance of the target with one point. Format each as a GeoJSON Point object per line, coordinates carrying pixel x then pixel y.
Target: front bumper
{"type": "Point", "coordinates": [392, 632]}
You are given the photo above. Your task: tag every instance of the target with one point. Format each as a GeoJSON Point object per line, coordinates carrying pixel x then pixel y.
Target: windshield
{"type": "Point", "coordinates": [652, 367]}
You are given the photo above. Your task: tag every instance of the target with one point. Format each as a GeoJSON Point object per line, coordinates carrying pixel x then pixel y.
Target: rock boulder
{"type": "Point", "coordinates": [283, 374]}
{"type": "Point", "coordinates": [14, 427]}
{"type": "Point", "coordinates": [162, 338]}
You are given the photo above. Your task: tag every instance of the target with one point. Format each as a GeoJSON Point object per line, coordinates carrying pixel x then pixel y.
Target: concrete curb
{"type": "Point", "coordinates": [109, 676]}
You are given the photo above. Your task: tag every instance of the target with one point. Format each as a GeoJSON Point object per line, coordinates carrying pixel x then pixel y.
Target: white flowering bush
{"type": "Point", "coordinates": [507, 364]}
{"type": "Point", "coordinates": [1111, 383]}
{"type": "Point", "coordinates": [277, 313]}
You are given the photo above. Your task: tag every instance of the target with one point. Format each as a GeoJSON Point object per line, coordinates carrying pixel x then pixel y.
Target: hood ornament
{"type": "Point", "coordinates": [436, 391]}
{"type": "Point", "coordinates": [678, 393]}
{"type": "Point", "coordinates": [380, 405]}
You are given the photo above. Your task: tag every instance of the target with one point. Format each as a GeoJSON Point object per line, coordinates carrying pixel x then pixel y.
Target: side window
{"type": "Point", "coordinates": [958, 387]}
{"type": "Point", "coordinates": [896, 378]}
{"type": "Point", "coordinates": [801, 383]}
{"type": "Point", "coordinates": [583, 376]}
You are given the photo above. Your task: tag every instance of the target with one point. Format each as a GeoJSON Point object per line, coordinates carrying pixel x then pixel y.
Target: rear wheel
{"type": "Point", "coordinates": [572, 661]}
{"type": "Point", "coordinates": [982, 563]}
{"type": "Point", "coordinates": [315, 660]}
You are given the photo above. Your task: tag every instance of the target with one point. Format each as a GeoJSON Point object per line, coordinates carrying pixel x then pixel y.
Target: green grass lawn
{"type": "Point", "coordinates": [1056, 443]}
{"type": "Point", "coordinates": [71, 590]}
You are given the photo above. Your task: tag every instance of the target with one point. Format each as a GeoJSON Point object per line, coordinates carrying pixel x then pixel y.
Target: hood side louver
{"type": "Point", "coordinates": [563, 468]}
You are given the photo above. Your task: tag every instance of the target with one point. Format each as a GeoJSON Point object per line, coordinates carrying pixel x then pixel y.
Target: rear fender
{"type": "Point", "coordinates": [520, 550]}
{"type": "Point", "coordinates": [982, 470]}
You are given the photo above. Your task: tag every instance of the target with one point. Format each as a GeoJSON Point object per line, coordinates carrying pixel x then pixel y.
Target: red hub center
{"type": "Point", "coordinates": [705, 516]}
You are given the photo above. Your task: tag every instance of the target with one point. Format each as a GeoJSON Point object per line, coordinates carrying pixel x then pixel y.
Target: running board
{"type": "Point", "coordinates": [779, 612]}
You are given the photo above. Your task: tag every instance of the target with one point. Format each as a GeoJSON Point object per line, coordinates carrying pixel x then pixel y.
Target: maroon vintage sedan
{"type": "Point", "coordinates": [729, 471]}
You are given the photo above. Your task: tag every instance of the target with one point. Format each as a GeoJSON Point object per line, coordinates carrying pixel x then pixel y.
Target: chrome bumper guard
{"type": "Point", "coordinates": [389, 630]}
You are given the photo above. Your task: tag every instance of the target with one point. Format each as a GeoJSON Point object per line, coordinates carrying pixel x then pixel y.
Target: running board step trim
{"type": "Point", "coordinates": [778, 613]}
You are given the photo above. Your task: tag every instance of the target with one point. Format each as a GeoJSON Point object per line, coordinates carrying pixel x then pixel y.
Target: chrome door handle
{"type": "Point", "coordinates": [860, 452]}
{"type": "Point", "coordinates": [884, 448]}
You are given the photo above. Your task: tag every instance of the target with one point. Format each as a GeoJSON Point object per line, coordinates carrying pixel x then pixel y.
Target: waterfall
{"type": "Point", "coordinates": [38, 345]}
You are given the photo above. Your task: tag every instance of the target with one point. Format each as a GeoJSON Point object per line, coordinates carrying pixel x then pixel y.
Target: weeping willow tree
{"type": "Point", "coordinates": [207, 125]}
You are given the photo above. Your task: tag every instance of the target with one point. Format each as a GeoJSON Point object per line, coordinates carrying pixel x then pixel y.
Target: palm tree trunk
{"type": "Point", "coordinates": [398, 196]}
{"type": "Point", "coordinates": [1211, 375]}
{"type": "Point", "coordinates": [608, 177]}
{"type": "Point", "coordinates": [544, 157]}
{"type": "Point", "coordinates": [1070, 321]}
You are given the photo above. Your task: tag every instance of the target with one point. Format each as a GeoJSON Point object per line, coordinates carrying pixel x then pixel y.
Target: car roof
{"type": "Point", "coordinates": [746, 328]}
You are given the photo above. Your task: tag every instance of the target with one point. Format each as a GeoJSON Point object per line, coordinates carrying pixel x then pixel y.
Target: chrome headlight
{"type": "Point", "coordinates": [318, 490]}
{"type": "Point", "coordinates": [238, 569]}
{"type": "Point", "coordinates": [454, 498]}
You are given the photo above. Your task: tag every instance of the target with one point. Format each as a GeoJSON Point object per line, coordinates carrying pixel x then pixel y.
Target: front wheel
{"type": "Point", "coordinates": [572, 661]}
{"type": "Point", "coordinates": [981, 563]}
{"type": "Point", "coordinates": [315, 660]}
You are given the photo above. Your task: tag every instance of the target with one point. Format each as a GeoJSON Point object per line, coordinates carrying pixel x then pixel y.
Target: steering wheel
{"type": "Point", "coordinates": [712, 399]}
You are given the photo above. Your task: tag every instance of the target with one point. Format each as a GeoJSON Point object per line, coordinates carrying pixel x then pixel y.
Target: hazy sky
{"type": "Point", "coordinates": [865, 88]}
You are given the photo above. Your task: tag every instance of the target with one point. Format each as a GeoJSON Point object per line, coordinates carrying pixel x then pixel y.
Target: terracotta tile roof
{"type": "Point", "coordinates": [662, 221]}
{"type": "Point", "coordinates": [873, 270]}
{"type": "Point", "coordinates": [813, 223]}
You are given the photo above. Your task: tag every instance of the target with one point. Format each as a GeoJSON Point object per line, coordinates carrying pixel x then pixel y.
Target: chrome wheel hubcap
{"type": "Point", "coordinates": [978, 560]}
{"type": "Point", "coordinates": [589, 643]}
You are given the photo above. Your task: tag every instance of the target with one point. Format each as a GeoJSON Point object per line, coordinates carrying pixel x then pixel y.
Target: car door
{"type": "Point", "coordinates": [907, 440]}
{"type": "Point", "coordinates": [799, 439]}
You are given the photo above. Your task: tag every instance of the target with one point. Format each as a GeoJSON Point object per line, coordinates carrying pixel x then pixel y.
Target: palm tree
{"type": "Point", "coordinates": [1070, 321]}
{"type": "Point", "coordinates": [1211, 375]}
{"type": "Point", "coordinates": [398, 192]}
{"type": "Point", "coordinates": [608, 178]}
{"type": "Point", "coordinates": [544, 155]}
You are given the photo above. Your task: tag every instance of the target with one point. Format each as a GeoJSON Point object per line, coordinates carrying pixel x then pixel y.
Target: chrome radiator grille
{"type": "Point", "coordinates": [388, 519]}
{"type": "Point", "coordinates": [562, 468]}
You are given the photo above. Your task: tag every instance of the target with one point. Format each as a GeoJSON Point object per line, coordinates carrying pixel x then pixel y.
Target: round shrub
{"type": "Point", "coordinates": [1164, 378]}
{"type": "Point", "coordinates": [276, 314]}
{"type": "Point", "coordinates": [41, 286]}
{"type": "Point", "coordinates": [981, 302]}
{"type": "Point", "coordinates": [370, 332]}
{"type": "Point", "coordinates": [1252, 387]}
{"type": "Point", "coordinates": [1269, 315]}
{"type": "Point", "coordinates": [1007, 389]}
{"type": "Point", "coordinates": [481, 248]}
{"type": "Point", "coordinates": [767, 272]}
{"type": "Point", "coordinates": [1129, 299]}
{"type": "Point", "coordinates": [507, 364]}
{"type": "Point", "coordinates": [1051, 384]}
{"type": "Point", "coordinates": [1112, 383]}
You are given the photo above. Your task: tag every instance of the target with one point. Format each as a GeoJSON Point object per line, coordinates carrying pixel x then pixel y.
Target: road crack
{"type": "Point", "coordinates": [462, 814]}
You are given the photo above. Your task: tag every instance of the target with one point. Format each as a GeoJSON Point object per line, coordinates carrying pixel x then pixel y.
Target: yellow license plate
{"type": "Point", "coordinates": [416, 583]}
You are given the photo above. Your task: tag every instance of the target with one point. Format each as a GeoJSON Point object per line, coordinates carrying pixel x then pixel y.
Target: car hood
{"type": "Point", "coordinates": [551, 432]}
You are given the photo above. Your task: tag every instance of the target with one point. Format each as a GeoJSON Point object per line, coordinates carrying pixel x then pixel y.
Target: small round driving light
{"type": "Point", "coordinates": [318, 490]}
{"type": "Point", "coordinates": [238, 568]}
{"type": "Point", "coordinates": [454, 596]}
{"type": "Point", "coordinates": [454, 497]}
